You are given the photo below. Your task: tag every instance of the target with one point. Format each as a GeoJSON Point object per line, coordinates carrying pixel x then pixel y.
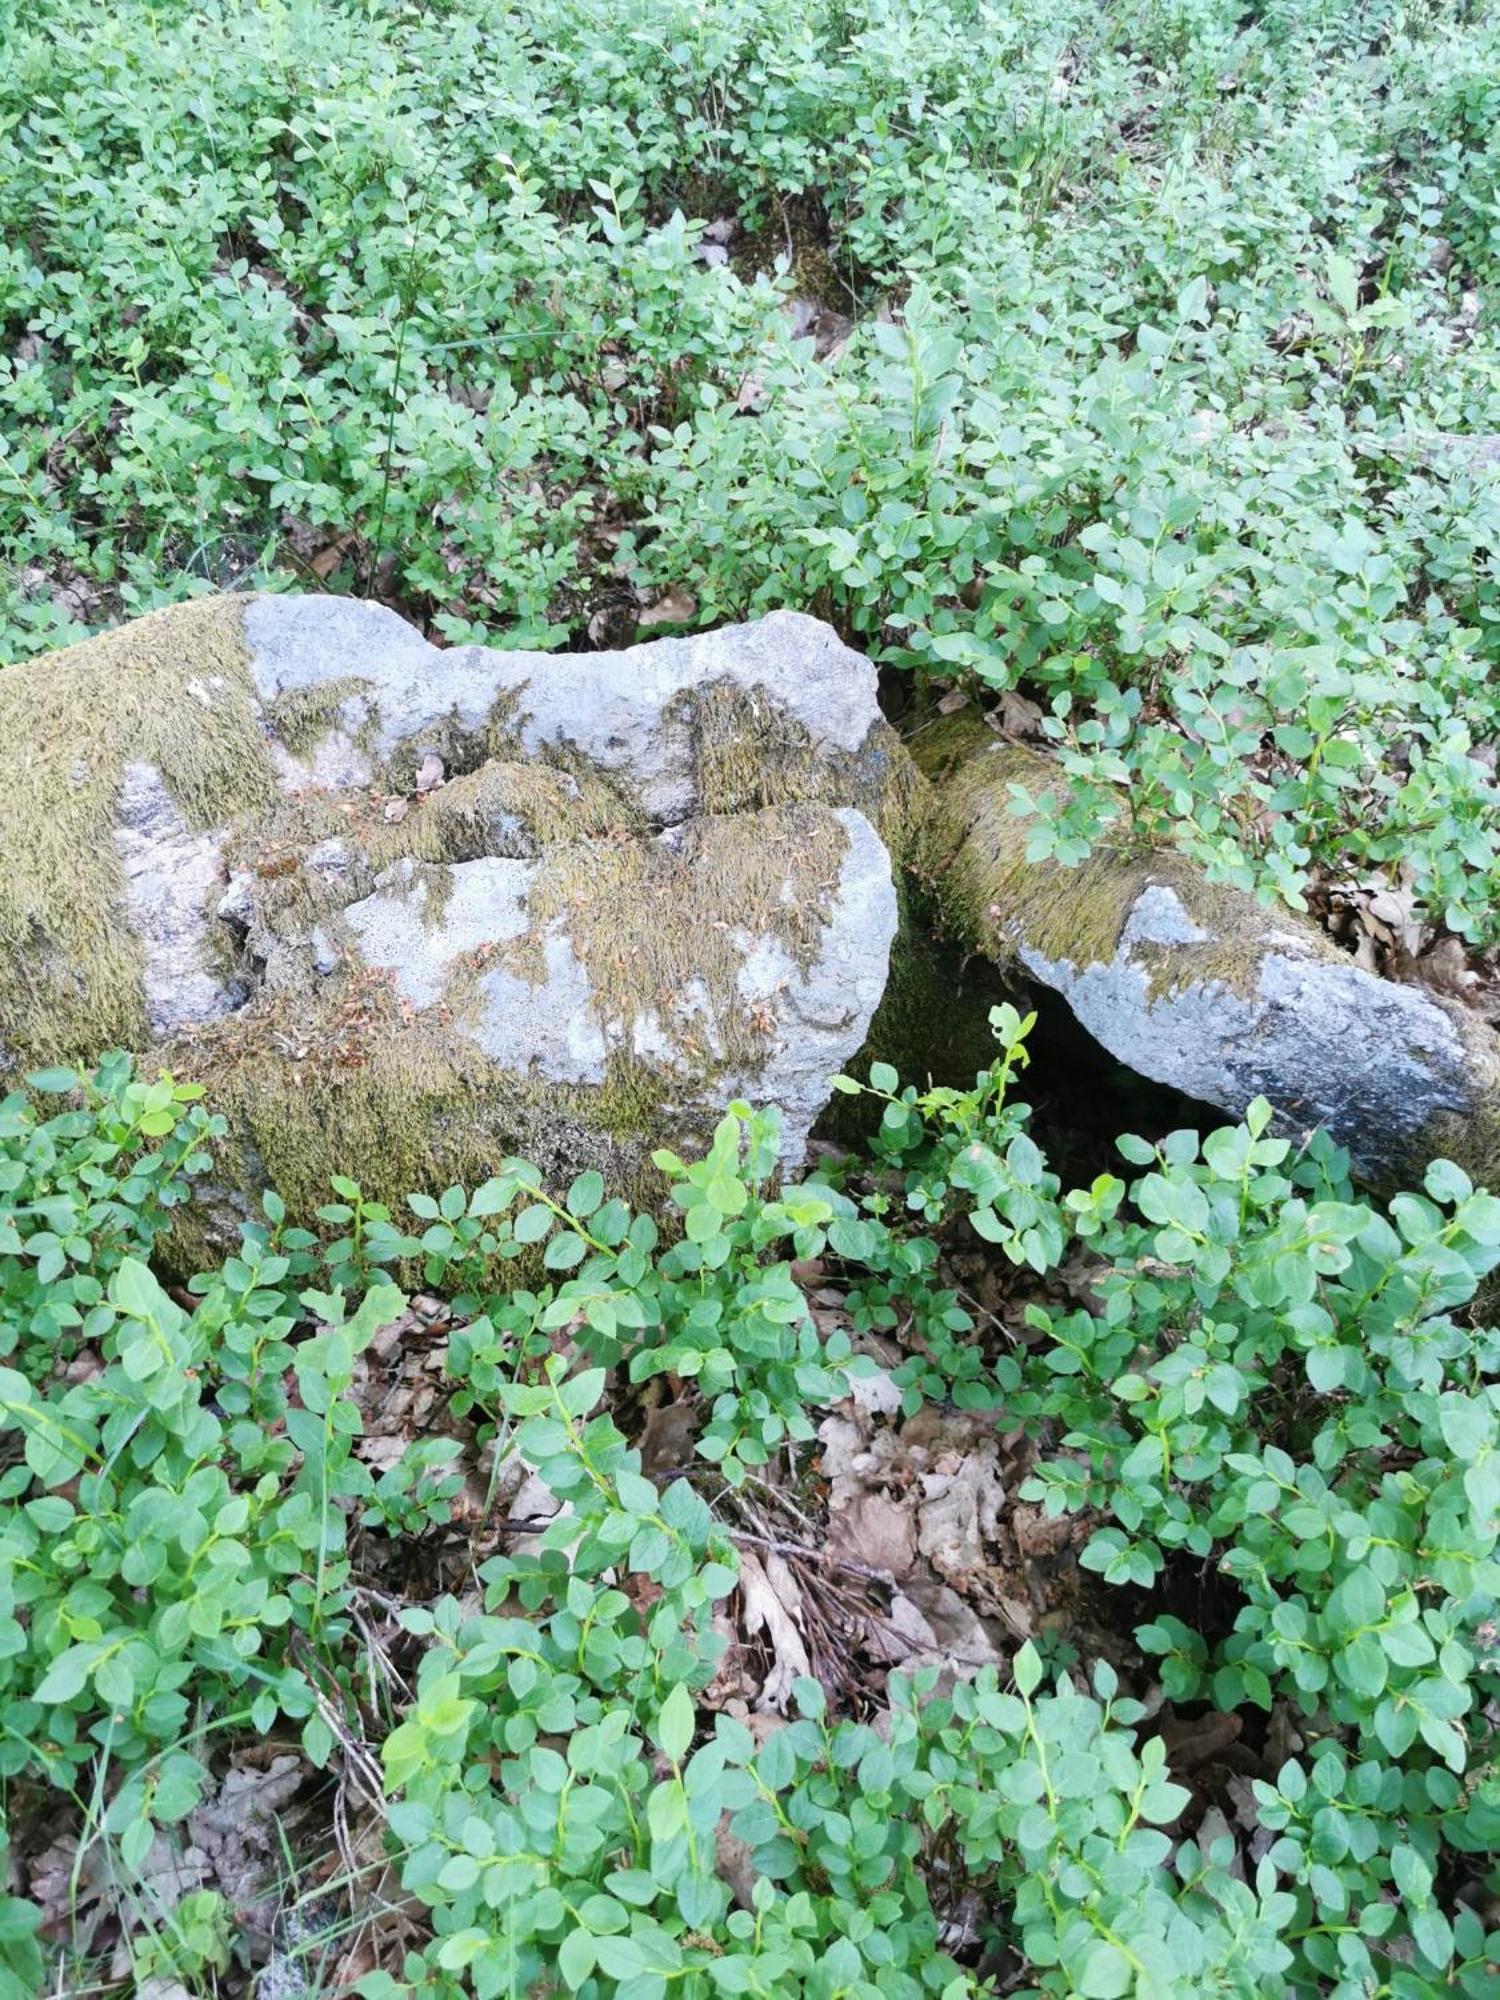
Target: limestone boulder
{"type": "Point", "coordinates": [406, 910]}
{"type": "Point", "coordinates": [1203, 988]}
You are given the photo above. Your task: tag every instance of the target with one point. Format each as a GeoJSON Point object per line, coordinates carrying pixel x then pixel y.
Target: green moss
{"type": "Point", "coordinates": [351, 1081]}
{"type": "Point", "coordinates": [171, 691]}
{"type": "Point", "coordinates": [973, 856]}
{"type": "Point", "coordinates": [751, 754]}
{"type": "Point", "coordinates": [515, 807]}
{"type": "Point", "coordinates": [648, 919]}
{"type": "Point", "coordinates": [1472, 1138]}
{"type": "Point", "coordinates": [302, 717]}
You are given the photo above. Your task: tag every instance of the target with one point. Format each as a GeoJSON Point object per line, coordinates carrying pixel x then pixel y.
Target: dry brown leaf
{"type": "Point", "coordinates": [874, 1531]}
{"type": "Point", "coordinates": [1214, 1826]}
{"type": "Point", "coordinates": [534, 1502]}
{"type": "Point", "coordinates": [1446, 969]}
{"type": "Point", "coordinates": [855, 1460]}
{"type": "Point", "coordinates": [929, 1624]}
{"type": "Point", "coordinates": [1038, 1534]}
{"type": "Point", "coordinates": [667, 1440]}
{"type": "Point", "coordinates": [675, 607]}
{"type": "Point", "coordinates": [1194, 1740]}
{"type": "Point", "coordinates": [1018, 1616]}
{"type": "Point", "coordinates": [960, 1512]}
{"type": "Point", "coordinates": [901, 1633]}
{"type": "Point", "coordinates": [733, 1863]}
{"type": "Point", "coordinates": [1014, 715]}
{"type": "Point", "coordinates": [236, 1829]}
{"type": "Point", "coordinates": [327, 560]}
{"type": "Point", "coordinates": [876, 1394]}
{"type": "Point", "coordinates": [771, 1603]}
{"type": "Point", "coordinates": [381, 1453]}
{"type": "Point", "coordinates": [843, 1441]}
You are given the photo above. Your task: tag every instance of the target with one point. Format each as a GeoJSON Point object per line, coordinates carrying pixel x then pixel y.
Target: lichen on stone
{"type": "Point", "coordinates": [750, 753]}
{"type": "Point", "coordinates": [301, 717]}
{"type": "Point", "coordinates": [289, 813]}
{"type": "Point", "coordinates": [994, 899]}
{"type": "Point", "coordinates": [354, 1080]}
{"type": "Point", "coordinates": [505, 808]}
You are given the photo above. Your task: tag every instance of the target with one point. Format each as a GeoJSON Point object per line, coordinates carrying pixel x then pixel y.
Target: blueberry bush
{"type": "Point", "coordinates": [1142, 358]}
{"type": "Point", "coordinates": [1274, 1381]}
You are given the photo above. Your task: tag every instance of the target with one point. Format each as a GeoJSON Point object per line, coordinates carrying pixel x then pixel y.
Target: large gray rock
{"type": "Point", "coordinates": [406, 910]}
{"type": "Point", "coordinates": [1206, 990]}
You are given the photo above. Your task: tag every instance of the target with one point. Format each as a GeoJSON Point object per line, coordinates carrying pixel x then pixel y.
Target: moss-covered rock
{"type": "Point", "coordinates": [1203, 988]}
{"type": "Point", "coordinates": [406, 910]}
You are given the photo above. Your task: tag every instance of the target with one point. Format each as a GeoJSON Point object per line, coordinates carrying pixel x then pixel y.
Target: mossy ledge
{"type": "Point", "coordinates": [353, 1081]}
{"type": "Point", "coordinates": [750, 754]}
{"type": "Point", "coordinates": [1203, 988]}
{"type": "Point", "coordinates": [990, 897]}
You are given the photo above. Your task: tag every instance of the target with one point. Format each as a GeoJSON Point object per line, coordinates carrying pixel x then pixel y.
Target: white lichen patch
{"type": "Point", "coordinates": [334, 763]}
{"type": "Point", "coordinates": [173, 878]}
{"type": "Point", "coordinates": [1159, 916]}
{"type": "Point", "coordinates": [400, 930]}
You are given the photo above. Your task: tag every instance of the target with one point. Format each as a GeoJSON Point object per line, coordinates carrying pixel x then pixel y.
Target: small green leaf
{"type": "Point", "coordinates": [675, 1724]}
{"type": "Point", "coordinates": [585, 1195]}
{"type": "Point", "coordinates": [576, 1958]}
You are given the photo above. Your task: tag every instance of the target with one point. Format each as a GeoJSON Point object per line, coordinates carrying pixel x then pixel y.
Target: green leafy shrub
{"type": "Point", "coordinates": [83, 1190]}
{"type": "Point", "coordinates": [1269, 1380]}
{"type": "Point", "coordinates": [1161, 319]}
{"type": "Point", "coordinates": [169, 1514]}
{"type": "Point", "coordinates": [1273, 1383]}
{"type": "Point", "coordinates": [594, 1864]}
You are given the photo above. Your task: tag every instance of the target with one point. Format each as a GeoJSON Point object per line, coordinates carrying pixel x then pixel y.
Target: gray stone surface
{"type": "Point", "coordinates": [1303, 1026]}
{"type": "Point", "coordinates": [822, 1012]}
{"type": "Point", "coordinates": [405, 909]}
{"type": "Point", "coordinates": [625, 712]}
{"type": "Point", "coordinates": [424, 924]}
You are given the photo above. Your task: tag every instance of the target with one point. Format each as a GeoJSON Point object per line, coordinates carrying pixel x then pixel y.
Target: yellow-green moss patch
{"type": "Point", "coordinates": [973, 855]}
{"type": "Point", "coordinates": [751, 754]}
{"type": "Point", "coordinates": [354, 1081]}
{"type": "Point", "coordinates": [649, 919]}
{"type": "Point", "coordinates": [462, 820]}
{"type": "Point", "coordinates": [172, 691]}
